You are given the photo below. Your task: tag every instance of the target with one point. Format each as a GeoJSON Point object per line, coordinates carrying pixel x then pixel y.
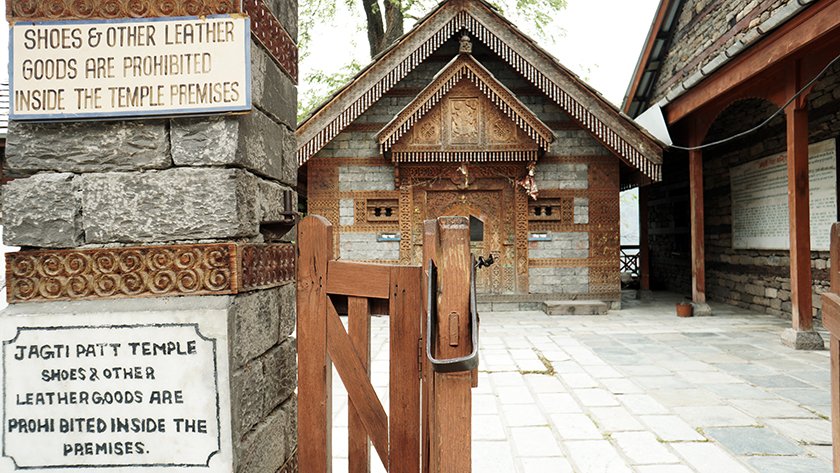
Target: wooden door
{"type": "Point", "coordinates": [489, 205]}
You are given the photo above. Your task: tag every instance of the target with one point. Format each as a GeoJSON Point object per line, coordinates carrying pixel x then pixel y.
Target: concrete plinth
{"type": "Point", "coordinates": [802, 339]}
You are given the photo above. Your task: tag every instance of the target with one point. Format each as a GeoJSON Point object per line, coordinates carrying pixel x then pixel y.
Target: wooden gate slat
{"type": "Point", "coordinates": [358, 314]}
{"type": "Point", "coordinates": [314, 369]}
{"type": "Point", "coordinates": [405, 306]}
{"type": "Point", "coordinates": [354, 377]}
{"type": "Point", "coordinates": [359, 279]}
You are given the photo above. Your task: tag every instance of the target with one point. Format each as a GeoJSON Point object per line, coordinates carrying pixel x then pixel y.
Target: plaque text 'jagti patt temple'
{"type": "Point", "coordinates": [110, 396]}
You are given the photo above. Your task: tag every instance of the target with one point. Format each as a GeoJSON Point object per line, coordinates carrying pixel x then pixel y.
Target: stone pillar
{"type": "Point", "coordinates": [159, 250]}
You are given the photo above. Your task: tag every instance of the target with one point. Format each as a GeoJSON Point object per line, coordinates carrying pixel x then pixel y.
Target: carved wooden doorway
{"type": "Point", "coordinates": [489, 204]}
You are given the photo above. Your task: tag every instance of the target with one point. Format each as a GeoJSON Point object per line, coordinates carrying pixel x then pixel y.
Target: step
{"type": "Point", "coordinates": [575, 307]}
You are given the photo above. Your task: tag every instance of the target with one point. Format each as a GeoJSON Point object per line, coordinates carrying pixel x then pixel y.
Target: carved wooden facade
{"type": "Point", "coordinates": [540, 176]}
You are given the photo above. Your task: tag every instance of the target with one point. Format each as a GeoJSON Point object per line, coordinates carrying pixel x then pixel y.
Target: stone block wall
{"type": "Point", "coordinates": [364, 247]}
{"type": "Point", "coordinates": [561, 245]}
{"type": "Point", "coordinates": [755, 279]}
{"type": "Point", "coordinates": [568, 281]}
{"type": "Point", "coordinates": [185, 181]}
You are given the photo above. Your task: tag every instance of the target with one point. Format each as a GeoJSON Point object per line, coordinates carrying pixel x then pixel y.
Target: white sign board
{"type": "Point", "coordinates": [129, 68]}
{"type": "Point", "coordinates": [96, 395]}
{"type": "Point", "coordinates": [760, 200]}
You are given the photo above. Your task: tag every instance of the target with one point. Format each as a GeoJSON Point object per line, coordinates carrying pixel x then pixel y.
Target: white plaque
{"type": "Point", "coordinates": [106, 392]}
{"type": "Point", "coordinates": [129, 67]}
{"type": "Point", "coordinates": [760, 200]}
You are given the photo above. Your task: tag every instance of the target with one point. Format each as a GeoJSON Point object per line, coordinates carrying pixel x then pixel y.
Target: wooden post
{"type": "Point", "coordinates": [404, 401]}
{"type": "Point", "coordinates": [698, 252]}
{"type": "Point", "coordinates": [358, 448]}
{"type": "Point", "coordinates": [644, 249]}
{"type": "Point", "coordinates": [831, 321]}
{"type": "Point", "coordinates": [800, 215]}
{"type": "Point", "coordinates": [314, 367]}
{"type": "Point", "coordinates": [451, 409]}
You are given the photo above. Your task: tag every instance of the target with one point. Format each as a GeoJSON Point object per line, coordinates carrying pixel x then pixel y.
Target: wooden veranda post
{"type": "Point", "coordinates": [446, 243]}
{"type": "Point", "coordinates": [644, 239]}
{"type": "Point", "coordinates": [698, 251]}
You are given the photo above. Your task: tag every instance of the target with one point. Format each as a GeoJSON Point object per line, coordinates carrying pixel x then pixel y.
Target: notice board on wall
{"type": "Point", "coordinates": [760, 200]}
{"type": "Point", "coordinates": [126, 68]}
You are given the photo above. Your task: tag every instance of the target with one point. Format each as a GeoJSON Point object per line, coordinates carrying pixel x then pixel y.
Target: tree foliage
{"type": "Point", "coordinates": [385, 22]}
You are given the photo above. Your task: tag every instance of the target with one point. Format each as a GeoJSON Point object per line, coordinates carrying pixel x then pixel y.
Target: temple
{"type": "Point", "coordinates": [465, 115]}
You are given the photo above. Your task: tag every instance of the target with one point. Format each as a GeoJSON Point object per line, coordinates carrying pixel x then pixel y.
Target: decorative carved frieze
{"type": "Point", "coordinates": [267, 29]}
{"type": "Point", "coordinates": [146, 271]}
{"type": "Point", "coordinates": [32, 10]}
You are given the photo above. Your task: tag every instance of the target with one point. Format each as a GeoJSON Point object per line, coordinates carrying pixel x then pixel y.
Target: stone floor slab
{"type": "Point", "coordinates": [753, 441]}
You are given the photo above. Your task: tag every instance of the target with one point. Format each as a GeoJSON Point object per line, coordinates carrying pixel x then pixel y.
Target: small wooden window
{"type": "Point", "coordinates": [546, 210]}
{"type": "Point", "coordinates": [383, 210]}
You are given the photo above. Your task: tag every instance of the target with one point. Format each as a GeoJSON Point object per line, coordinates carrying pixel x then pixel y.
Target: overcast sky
{"type": "Point", "coordinates": [600, 41]}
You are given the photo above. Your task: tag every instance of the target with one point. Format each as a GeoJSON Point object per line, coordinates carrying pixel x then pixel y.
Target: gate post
{"type": "Point", "coordinates": [156, 251]}
{"type": "Point", "coordinates": [447, 395]}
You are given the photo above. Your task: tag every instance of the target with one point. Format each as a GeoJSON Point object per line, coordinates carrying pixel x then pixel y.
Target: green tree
{"type": "Point", "coordinates": [384, 22]}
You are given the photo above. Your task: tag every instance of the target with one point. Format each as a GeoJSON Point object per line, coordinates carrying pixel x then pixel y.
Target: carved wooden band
{"type": "Point", "coordinates": [265, 27]}
{"type": "Point", "coordinates": [147, 271]}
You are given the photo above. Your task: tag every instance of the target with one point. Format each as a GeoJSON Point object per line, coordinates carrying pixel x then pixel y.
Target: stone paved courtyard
{"type": "Point", "coordinates": [638, 390]}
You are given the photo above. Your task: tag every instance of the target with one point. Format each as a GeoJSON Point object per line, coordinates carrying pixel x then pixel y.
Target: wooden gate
{"type": "Point", "coordinates": [427, 427]}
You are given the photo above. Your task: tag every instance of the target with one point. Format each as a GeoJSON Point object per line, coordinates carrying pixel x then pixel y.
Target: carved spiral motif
{"type": "Point", "coordinates": [188, 281]}
{"type": "Point", "coordinates": [78, 286]}
{"type": "Point", "coordinates": [105, 262]}
{"type": "Point", "coordinates": [167, 7]}
{"type": "Point", "coordinates": [82, 8]}
{"type": "Point", "coordinates": [25, 8]}
{"type": "Point", "coordinates": [160, 259]}
{"type": "Point", "coordinates": [110, 8]}
{"type": "Point", "coordinates": [23, 267]}
{"type": "Point", "coordinates": [138, 8]}
{"type": "Point", "coordinates": [131, 261]}
{"type": "Point", "coordinates": [163, 282]}
{"type": "Point", "coordinates": [133, 284]}
{"type": "Point", "coordinates": [217, 258]}
{"type": "Point", "coordinates": [107, 285]}
{"type": "Point", "coordinates": [188, 259]}
{"type": "Point", "coordinates": [76, 263]}
{"type": "Point", "coordinates": [193, 7]}
{"type": "Point", "coordinates": [54, 8]}
{"type": "Point", "coordinates": [225, 6]}
{"type": "Point", "coordinates": [24, 289]}
{"type": "Point", "coordinates": [217, 279]}
{"type": "Point", "coordinates": [51, 265]}
{"type": "Point", "coordinates": [50, 288]}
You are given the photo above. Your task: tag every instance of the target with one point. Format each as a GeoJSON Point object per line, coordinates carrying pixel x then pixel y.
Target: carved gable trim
{"type": "Point", "coordinates": [465, 68]}
{"type": "Point", "coordinates": [587, 107]}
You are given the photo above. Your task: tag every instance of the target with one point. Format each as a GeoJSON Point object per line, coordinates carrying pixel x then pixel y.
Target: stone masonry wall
{"type": "Point", "coordinates": [754, 279]}
{"type": "Point", "coordinates": [184, 180]}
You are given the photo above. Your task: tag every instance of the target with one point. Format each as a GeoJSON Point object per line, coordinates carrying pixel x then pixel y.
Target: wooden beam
{"type": "Point", "coordinates": [644, 249]}
{"type": "Point", "coordinates": [643, 59]}
{"type": "Point", "coordinates": [799, 209]}
{"type": "Point", "coordinates": [814, 26]}
{"type": "Point", "coordinates": [698, 244]}
{"type": "Point", "coordinates": [314, 367]}
{"type": "Point", "coordinates": [359, 279]}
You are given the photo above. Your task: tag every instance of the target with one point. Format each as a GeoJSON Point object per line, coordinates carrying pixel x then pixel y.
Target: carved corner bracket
{"type": "Point", "coordinates": [147, 271]}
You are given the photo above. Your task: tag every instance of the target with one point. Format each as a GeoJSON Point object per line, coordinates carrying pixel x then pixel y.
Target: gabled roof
{"type": "Point", "coordinates": [464, 66]}
{"type": "Point", "coordinates": [582, 103]}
